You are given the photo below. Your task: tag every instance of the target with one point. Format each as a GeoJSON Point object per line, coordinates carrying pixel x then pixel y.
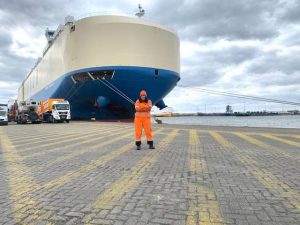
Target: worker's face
{"type": "Point", "coordinates": [143, 97]}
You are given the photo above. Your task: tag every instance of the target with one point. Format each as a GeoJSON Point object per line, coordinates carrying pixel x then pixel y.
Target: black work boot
{"type": "Point", "coordinates": [138, 145]}
{"type": "Point", "coordinates": [150, 143]}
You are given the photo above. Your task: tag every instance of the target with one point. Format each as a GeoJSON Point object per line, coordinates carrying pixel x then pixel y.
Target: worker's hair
{"type": "Point", "coordinates": [146, 100]}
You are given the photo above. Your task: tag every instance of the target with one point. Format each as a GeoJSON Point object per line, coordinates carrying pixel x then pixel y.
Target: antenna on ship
{"type": "Point", "coordinates": [141, 11]}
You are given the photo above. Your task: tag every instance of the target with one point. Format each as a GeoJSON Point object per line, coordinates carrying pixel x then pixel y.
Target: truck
{"type": "Point", "coordinates": [54, 110]}
{"type": "Point", "coordinates": [12, 110]}
{"type": "Point", "coordinates": [26, 112]}
{"type": "Point", "coordinates": [3, 114]}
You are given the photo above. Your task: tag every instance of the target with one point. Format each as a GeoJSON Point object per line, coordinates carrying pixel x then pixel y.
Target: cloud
{"type": "Point", "coordinates": [248, 47]}
{"type": "Point", "coordinates": [232, 19]}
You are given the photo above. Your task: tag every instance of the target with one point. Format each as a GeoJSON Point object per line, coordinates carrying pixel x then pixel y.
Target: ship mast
{"type": "Point", "coordinates": [141, 11]}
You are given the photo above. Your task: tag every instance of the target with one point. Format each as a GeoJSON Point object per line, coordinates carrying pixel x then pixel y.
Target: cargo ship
{"type": "Point", "coordinates": [101, 63]}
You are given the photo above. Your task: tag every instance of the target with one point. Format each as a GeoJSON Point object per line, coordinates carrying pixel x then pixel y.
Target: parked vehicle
{"type": "Point", "coordinates": [3, 114]}
{"type": "Point", "coordinates": [54, 110]}
{"type": "Point", "coordinates": [26, 112]}
{"type": "Point", "coordinates": [12, 110]}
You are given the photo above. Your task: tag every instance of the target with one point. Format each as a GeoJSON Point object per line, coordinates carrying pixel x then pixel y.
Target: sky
{"type": "Point", "coordinates": [249, 47]}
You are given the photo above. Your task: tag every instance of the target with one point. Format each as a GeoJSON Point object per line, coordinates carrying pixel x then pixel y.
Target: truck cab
{"type": "Point", "coordinates": [26, 112]}
{"type": "Point", "coordinates": [3, 114]}
{"type": "Point", "coordinates": [61, 111]}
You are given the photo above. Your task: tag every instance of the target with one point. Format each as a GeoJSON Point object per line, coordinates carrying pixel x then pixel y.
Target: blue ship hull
{"type": "Point", "coordinates": [93, 99]}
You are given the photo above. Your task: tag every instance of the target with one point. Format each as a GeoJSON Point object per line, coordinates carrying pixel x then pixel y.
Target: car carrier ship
{"type": "Point", "coordinates": [101, 63]}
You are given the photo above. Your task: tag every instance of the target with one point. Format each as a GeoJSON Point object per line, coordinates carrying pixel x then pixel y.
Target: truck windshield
{"type": "Point", "coordinates": [62, 107]}
{"type": "Point", "coordinates": [3, 113]}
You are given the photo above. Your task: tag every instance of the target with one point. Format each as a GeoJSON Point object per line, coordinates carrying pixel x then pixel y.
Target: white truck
{"type": "Point", "coordinates": [54, 110]}
{"type": "Point", "coordinates": [3, 114]}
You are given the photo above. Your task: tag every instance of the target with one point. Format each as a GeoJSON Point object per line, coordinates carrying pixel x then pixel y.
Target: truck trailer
{"type": "Point", "coordinates": [54, 110]}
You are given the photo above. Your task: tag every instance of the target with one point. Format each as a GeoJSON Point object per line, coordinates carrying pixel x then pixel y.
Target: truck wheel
{"type": "Point", "coordinates": [68, 121]}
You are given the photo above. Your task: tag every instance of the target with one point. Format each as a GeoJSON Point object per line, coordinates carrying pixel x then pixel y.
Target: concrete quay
{"type": "Point", "coordinates": [90, 173]}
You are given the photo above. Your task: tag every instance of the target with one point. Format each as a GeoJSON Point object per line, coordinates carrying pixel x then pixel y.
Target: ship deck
{"type": "Point", "coordinates": [89, 173]}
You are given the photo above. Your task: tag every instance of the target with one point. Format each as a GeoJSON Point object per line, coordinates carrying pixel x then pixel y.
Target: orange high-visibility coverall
{"type": "Point", "coordinates": [143, 120]}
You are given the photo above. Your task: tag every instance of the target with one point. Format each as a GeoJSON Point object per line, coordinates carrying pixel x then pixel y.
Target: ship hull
{"type": "Point", "coordinates": [84, 56]}
{"type": "Point", "coordinates": [86, 96]}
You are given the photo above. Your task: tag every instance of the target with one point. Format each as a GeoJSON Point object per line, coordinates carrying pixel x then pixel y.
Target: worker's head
{"type": "Point", "coordinates": [143, 95]}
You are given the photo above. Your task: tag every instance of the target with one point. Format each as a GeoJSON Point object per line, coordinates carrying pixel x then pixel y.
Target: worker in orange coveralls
{"type": "Point", "coordinates": [142, 120]}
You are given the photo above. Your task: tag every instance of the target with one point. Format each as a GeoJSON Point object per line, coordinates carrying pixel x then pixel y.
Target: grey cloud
{"type": "Point", "coordinates": [291, 12]}
{"type": "Point", "coordinates": [275, 61]}
{"type": "Point", "coordinates": [33, 12]}
{"type": "Point", "coordinates": [203, 68]}
{"type": "Point", "coordinates": [232, 19]}
{"type": "Point", "coordinates": [5, 39]}
{"type": "Point", "coordinates": [13, 67]}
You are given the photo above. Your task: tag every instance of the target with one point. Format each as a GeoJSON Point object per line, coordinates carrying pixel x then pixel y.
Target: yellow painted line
{"type": "Point", "coordinates": [220, 139]}
{"type": "Point", "coordinates": [265, 146]}
{"type": "Point", "coordinates": [64, 138]}
{"type": "Point", "coordinates": [94, 164]}
{"type": "Point", "coordinates": [253, 140]}
{"type": "Point", "coordinates": [196, 163]}
{"type": "Point", "coordinates": [61, 136]}
{"type": "Point", "coordinates": [88, 149]}
{"type": "Point", "coordinates": [19, 138]}
{"type": "Point", "coordinates": [272, 183]}
{"type": "Point", "coordinates": [27, 139]}
{"type": "Point", "coordinates": [109, 198]}
{"type": "Point", "coordinates": [21, 183]}
{"type": "Point", "coordinates": [247, 132]}
{"type": "Point", "coordinates": [207, 210]}
{"type": "Point", "coordinates": [74, 144]}
{"type": "Point", "coordinates": [272, 137]}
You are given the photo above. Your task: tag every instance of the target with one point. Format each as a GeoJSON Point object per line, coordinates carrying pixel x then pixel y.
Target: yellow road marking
{"type": "Point", "coordinates": [220, 139]}
{"type": "Point", "coordinates": [67, 146]}
{"type": "Point", "coordinates": [71, 175]}
{"type": "Point", "coordinates": [67, 138]}
{"type": "Point", "coordinates": [263, 176]}
{"type": "Point", "coordinates": [272, 137]}
{"type": "Point", "coordinates": [196, 163]}
{"type": "Point", "coordinates": [27, 139]}
{"type": "Point", "coordinates": [88, 149]}
{"type": "Point", "coordinates": [22, 137]}
{"type": "Point", "coordinates": [245, 132]}
{"type": "Point", "coordinates": [109, 198]}
{"type": "Point", "coordinates": [265, 145]}
{"type": "Point", "coordinates": [20, 182]}
{"type": "Point", "coordinates": [253, 140]}
{"type": "Point", "coordinates": [207, 210]}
